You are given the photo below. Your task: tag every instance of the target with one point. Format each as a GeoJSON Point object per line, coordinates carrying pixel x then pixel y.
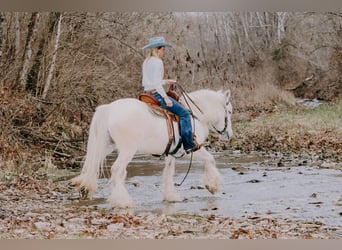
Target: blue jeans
{"type": "Point", "coordinates": [185, 120]}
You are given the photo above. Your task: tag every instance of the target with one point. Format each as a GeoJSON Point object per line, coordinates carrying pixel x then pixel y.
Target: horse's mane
{"type": "Point", "coordinates": [207, 97]}
{"type": "Point", "coordinates": [207, 94]}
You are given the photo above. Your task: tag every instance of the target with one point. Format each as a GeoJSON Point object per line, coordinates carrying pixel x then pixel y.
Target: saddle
{"type": "Point", "coordinates": [170, 117]}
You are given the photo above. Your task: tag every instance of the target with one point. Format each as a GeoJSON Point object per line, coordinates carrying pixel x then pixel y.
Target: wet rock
{"type": "Point", "coordinates": [317, 203]}
{"type": "Point", "coordinates": [136, 184]}
{"type": "Point", "coordinates": [339, 202]}
{"type": "Point", "coordinates": [253, 181]}
{"type": "Point", "coordinates": [330, 165]}
{"type": "Point", "coordinates": [239, 169]}
{"type": "Point", "coordinates": [280, 164]}
{"type": "Point", "coordinates": [314, 195]}
{"type": "Point", "coordinates": [304, 162]}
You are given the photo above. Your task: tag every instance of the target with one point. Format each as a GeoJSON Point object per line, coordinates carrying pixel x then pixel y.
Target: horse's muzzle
{"type": "Point", "coordinates": [226, 136]}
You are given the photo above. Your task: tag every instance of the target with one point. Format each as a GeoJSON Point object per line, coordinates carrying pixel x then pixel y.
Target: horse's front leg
{"type": "Point", "coordinates": [170, 193]}
{"type": "Point", "coordinates": [212, 177]}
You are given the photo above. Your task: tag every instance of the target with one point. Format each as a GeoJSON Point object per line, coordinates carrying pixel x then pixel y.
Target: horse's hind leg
{"type": "Point", "coordinates": [119, 196]}
{"type": "Point", "coordinates": [169, 191]}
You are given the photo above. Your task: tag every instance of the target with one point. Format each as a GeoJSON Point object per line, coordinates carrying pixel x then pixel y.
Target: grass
{"type": "Point", "coordinates": [325, 117]}
{"type": "Point", "coordinates": [295, 129]}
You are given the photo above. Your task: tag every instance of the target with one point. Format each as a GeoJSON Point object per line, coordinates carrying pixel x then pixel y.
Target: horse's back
{"type": "Point", "coordinates": [127, 106]}
{"type": "Point", "coordinates": [132, 122]}
{"type": "Point", "coordinates": [128, 102]}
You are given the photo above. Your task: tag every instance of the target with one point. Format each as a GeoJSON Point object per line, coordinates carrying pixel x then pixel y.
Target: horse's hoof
{"type": "Point", "coordinates": [128, 205]}
{"type": "Point", "coordinates": [172, 198]}
{"type": "Point", "coordinates": [211, 189]}
{"type": "Point", "coordinates": [84, 193]}
{"type": "Point", "coordinates": [120, 203]}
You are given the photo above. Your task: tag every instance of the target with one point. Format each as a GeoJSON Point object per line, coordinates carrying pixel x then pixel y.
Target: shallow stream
{"type": "Point", "coordinates": [253, 186]}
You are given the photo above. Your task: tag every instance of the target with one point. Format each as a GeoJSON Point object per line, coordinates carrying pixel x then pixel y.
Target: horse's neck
{"type": "Point", "coordinates": [200, 111]}
{"type": "Point", "coordinates": [203, 106]}
{"type": "Point", "coordinates": [201, 129]}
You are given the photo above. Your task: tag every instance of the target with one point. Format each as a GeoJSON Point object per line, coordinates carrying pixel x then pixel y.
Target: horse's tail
{"type": "Point", "coordinates": [97, 150]}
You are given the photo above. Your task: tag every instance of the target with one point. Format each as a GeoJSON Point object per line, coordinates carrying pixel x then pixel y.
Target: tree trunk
{"type": "Point", "coordinates": [17, 34]}
{"type": "Point", "coordinates": [203, 50]}
{"type": "Point", "coordinates": [281, 25]}
{"type": "Point", "coordinates": [54, 56]}
{"type": "Point", "coordinates": [31, 36]}
{"type": "Point", "coordinates": [1, 34]}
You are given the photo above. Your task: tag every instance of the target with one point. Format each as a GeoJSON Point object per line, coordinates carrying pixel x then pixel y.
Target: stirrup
{"type": "Point", "coordinates": [195, 148]}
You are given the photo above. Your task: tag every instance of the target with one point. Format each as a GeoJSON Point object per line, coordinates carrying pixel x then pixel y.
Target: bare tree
{"type": "Point", "coordinates": [281, 16]}
{"type": "Point", "coordinates": [31, 37]}
{"type": "Point", "coordinates": [1, 33]}
{"type": "Point", "coordinates": [17, 34]}
{"type": "Point", "coordinates": [54, 56]}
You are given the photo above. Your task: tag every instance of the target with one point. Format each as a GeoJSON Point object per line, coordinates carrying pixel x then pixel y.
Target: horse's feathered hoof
{"type": "Point", "coordinates": [84, 193]}
{"type": "Point", "coordinates": [211, 189]}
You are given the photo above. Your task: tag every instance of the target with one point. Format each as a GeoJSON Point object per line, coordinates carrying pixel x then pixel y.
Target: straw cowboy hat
{"type": "Point", "coordinates": [156, 42]}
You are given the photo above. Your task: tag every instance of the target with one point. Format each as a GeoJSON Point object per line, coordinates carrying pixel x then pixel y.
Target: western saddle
{"type": "Point", "coordinates": [170, 117]}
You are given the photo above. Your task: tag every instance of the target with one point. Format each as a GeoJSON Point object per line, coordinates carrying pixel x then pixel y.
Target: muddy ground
{"type": "Point", "coordinates": [263, 196]}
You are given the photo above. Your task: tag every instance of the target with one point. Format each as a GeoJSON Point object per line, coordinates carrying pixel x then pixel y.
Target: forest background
{"type": "Point", "coordinates": [56, 68]}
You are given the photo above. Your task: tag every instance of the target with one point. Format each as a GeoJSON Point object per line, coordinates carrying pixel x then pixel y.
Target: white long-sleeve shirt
{"type": "Point", "coordinates": [153, 73]}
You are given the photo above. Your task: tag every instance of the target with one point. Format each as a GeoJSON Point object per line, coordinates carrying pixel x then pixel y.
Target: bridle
{"type": "Point", "coordinates": [186, 96]}
{"type": "Point", "coordinates": [221, 132]}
